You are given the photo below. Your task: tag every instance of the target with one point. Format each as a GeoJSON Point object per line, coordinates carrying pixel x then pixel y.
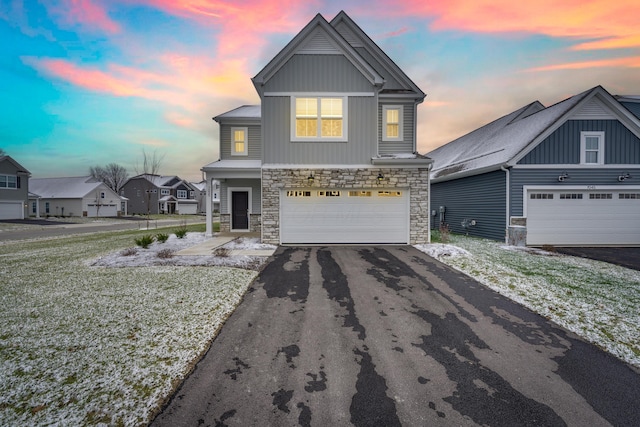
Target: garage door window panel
{"type": "Point", "coordinates": [629, 196]}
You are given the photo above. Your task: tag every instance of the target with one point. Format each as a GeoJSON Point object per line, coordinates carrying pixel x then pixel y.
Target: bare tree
{"type": "Point", "coordinates": [113, 175]}
{"type": "Point", "coordinates": [150, 167]}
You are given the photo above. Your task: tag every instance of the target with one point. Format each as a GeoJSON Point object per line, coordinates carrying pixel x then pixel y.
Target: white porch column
{"type": "Point", "coordinates": [209, 206]}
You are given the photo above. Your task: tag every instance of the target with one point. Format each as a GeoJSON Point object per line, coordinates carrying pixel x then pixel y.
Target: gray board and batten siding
{"type": "Point", "coordinates": [318, 73]}
{"type": "Point", "coordinates": [254, 150]}
{"type": "Point", "coordinates": [254, 184]}
{"type": "Point", "coordinates": [479, 197]}
{"type": "Point", "coordinates": [278, 147]}
{"type": "Point", "coordinates": [563, 146]}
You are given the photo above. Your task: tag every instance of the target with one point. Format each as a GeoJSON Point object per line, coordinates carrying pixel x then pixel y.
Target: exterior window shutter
{"type": "Point", "coordinates": [17, 182]}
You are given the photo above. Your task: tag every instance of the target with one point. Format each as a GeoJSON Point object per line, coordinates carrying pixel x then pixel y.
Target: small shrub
{"type": "Point", "coordinates": [181, 232]}
{"type": "Point", "coordinates": [129, 252]}
{"type": "Point", "coordinates": [161, 237]}
{"type": "Point", "coordinates": [444, 233]}
{"type": "Point", "coordinates": [222, 252]}
{"type": "Point", "coordinates": [216, 227]}
{"type": "Point", "coordinates": [165, 254]}
{"type": "Point", "coordinates": [144, 241]}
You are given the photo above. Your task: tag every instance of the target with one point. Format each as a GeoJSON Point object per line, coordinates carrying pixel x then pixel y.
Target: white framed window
{"type": "Point", "coordinates": [192, 194]}
{"type": "Point", "coordinates": [592, 148]}
{"type": "Point", "coordinates": [392, 123]}
{"type": "Point", "coordinates": [239, 141]}
{"type": "Point", "coordinates": [47, 207]}
{"type": "Point", "coordinates": [182, 194]}
{"type": "Point", "coordinates": [318, 118]}
{"type": "Point", "coordinates": [102, 195]}
{"type": "Point", "coordinates": [9, 181]}
{"type": "Point", "coordinates": [165, 192]}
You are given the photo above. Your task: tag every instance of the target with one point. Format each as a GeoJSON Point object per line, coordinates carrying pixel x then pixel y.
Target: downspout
{"type": "Point", "coordinates": [429, 202]}
{"type": "Point", "coordinates": [508, 201]}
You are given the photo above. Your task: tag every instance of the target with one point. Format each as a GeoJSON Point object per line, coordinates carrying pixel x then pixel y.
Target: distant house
{"type": "Point", "coordinates": [14, 189]}
{"type": "Point", "coordinates": [201, 194]}
{"type": "Point", "coordinates": [564, 175]}
{"type": "Point", "coordinates": [74, 196]}
{"type": "Point", "coordinates": [330, 154]}
{"type": "Point", "coordinates": [163, 195]}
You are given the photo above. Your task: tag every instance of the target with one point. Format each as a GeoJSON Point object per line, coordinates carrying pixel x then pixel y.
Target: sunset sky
{"type": "Point", "coordinates": [89, 82]}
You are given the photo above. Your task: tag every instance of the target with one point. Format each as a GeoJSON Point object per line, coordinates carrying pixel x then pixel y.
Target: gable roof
{"type": "Point", "coordinates": [320, 36]}
{"type": "Point", "coordinates": [505, 141]}
{"type": "Point", "coordinates": [244, 112]}
{"type": "Point", "coordinates": [160, 180]}
{"type": "Point", "coordinates": [631, 102]}
{"type": "Point", "coordinates": [18, 166]}
{"type": "Point", "coordinates": [66, 188]}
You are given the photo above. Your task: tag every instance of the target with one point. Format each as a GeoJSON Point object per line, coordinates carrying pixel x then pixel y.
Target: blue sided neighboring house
{"type": "Point", "coordinates": [564, 175]}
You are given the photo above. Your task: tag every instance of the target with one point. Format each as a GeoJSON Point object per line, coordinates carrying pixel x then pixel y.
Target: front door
{"type": "Point", "coordinates": [240, 210]}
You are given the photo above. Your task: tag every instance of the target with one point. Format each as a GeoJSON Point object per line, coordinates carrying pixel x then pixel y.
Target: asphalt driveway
{"type": "Point", "coordinates": [387, 336]}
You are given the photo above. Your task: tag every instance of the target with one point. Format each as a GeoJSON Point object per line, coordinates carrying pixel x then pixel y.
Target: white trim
{"type": "Point", "coordinates": [316, 94]}
{"type": "Point", "coordinates": [230, 207]}
{"type": "Point", "coordinates": [400, 109]}
{"type": "Point", "coordinates": [314, 166]}
{"type": "Point", "coordinates": [569, 166]}
{"type": "Point", "coordinates": [245, 131]}
{"type": "Point", "coordinates": [527, 188]}
{"type": "Point", "coordinates": [583, 149]}
{"type": "Point", "coordinates": [318, 137]}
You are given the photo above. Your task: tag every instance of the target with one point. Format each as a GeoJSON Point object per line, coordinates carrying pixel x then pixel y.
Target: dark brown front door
{"type": "Point", "coordinates": [240, 210]}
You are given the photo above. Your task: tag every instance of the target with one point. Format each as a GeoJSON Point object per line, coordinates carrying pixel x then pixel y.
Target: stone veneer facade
{"type": "Point", "coordinates": [254, 222]}
{"type": "Point", "coordinates": [414, 179]}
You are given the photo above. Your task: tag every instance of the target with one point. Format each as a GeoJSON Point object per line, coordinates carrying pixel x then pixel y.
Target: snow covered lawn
{"type": "Point", "coordinates": [86, 345]}
{"type": "Point", "coordinates": [596, 300]}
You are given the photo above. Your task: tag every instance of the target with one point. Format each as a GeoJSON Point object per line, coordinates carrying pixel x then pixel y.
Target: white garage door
{"type": "Point", "coordinates": [344, 216]}
{"type": "Point", "coordinates": [575, 217]}
{"type": "Point", "coordinates": [105, 210]}
{"type": "Point", "coordinates": [11, 210]}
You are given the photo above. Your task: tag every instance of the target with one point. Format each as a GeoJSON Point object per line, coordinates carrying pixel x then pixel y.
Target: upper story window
{"type": "Point", "coordinates": [592, 148]}
{"type": "Point", "coordinates": [9, 181]}
{"type": "Point", "coordinates": [165, 192]}
{"type": "Point", "coordinates": [102, 194]}
{"type": "Point", "coordinates": [319, 119]}
{"type": "Point", "coordinates": [392, 123]}
{"type": "Point", "coordinates": [182, 194]}
{"type": "Point", "coordinates": [239, 141]}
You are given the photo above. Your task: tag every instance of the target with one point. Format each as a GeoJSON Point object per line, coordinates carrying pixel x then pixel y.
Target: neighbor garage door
{"type": "Point", "coordinates": [11, 210]}
{"type": "Point", "coordinates": [575, 217]}
{"type": "Point", "coordinates": [104, 211]}
{"type": "Point", "coordinates": [344, 216]}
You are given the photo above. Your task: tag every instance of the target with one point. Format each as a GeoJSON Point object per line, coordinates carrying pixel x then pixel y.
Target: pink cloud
{"type": "Point", "coordinates": [631, 62]}
{"type": "Point", "coordinates": [580, 19]}
{"type": "Point", "coordinates": [85, 13]}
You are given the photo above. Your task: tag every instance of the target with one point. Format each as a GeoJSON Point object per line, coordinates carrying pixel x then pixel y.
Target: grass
{"type": "Point", "coordinates": [596, 300]}
{"type": "Point", "coordinates": [85, 345]}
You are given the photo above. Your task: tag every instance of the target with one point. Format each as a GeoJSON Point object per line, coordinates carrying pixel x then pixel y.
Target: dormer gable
{"type": "Point", "coordinates": [317, 37]}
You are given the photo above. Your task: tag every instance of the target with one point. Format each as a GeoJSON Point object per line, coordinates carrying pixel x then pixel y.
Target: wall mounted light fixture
{"type": "Point", "coordinates": [624, 177]}
{"type": "Point", "coordinates": [563, 177]}
{"type": "Point", "coordinates": [310, 178]}
{"type": "Point", "coordinates": [380, 177]}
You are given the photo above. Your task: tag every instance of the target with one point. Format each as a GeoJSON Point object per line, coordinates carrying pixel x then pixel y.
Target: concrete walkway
{"type": "Point", "coordinates": [207, 247]}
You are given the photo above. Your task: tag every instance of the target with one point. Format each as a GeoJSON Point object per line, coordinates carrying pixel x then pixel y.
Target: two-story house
{"type": "Point", "coordinates": [156, 194]}
{"type": "Point", "coordinates": [14, 189]}
{"type": "Point", "coordinates": [563, 175]}
{"type": "Point", "coordinates": [330, 154]}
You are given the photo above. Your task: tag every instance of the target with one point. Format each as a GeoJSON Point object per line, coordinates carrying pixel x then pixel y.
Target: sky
{"type": "Point", "coordinates": [92, 82]}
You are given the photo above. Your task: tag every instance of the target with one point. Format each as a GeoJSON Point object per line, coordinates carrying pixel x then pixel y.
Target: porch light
{"type": "Point", "coordinates": [380, 177]}
{"type": "Point", "coordinates": [563, 177]}
{"type": "Point", "coordinates": [310, 178]}
{"type": "Point", "coordinates": [624, 177]}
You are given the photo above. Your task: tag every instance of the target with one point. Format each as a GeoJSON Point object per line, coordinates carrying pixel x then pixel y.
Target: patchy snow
{"type": "Point", "coordinates": [596, 300]}
{"type": "Point", "coordinates": [138, 257]}
{"type": "Point", "coordinates": [86, 345]}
